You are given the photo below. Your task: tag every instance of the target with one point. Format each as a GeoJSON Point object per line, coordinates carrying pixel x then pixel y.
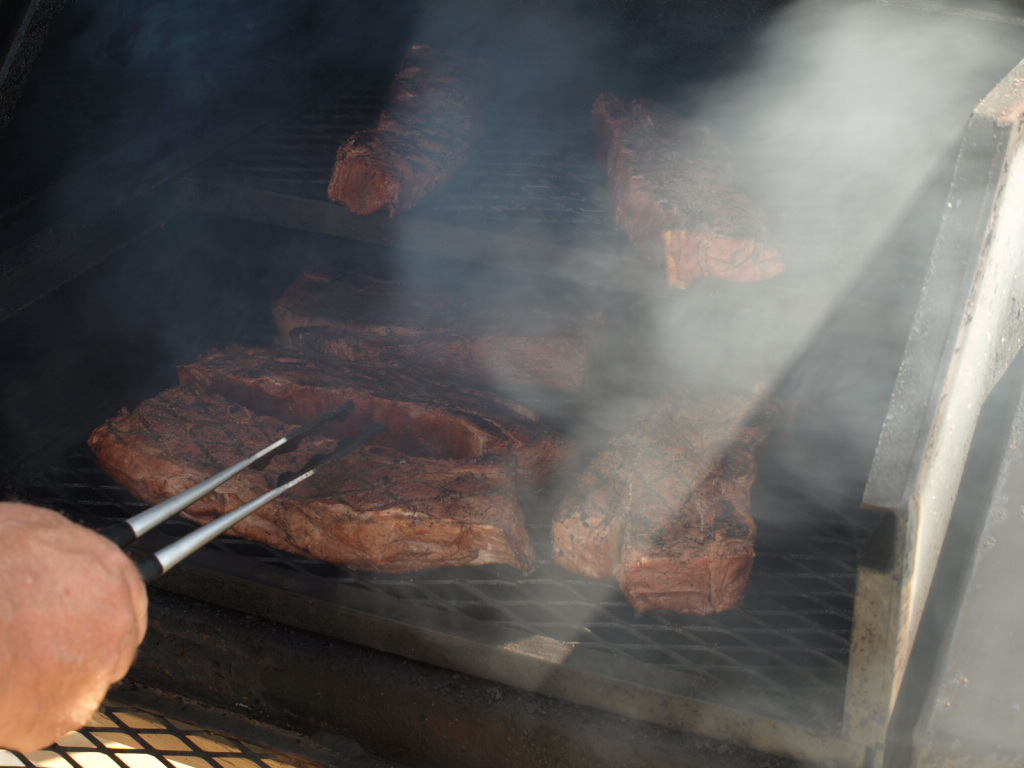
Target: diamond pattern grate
{"type": "Point", "coordinates": [121, 736]}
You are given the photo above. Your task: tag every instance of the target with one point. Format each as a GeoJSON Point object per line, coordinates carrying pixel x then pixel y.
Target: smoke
{"type": "Point", "coordinates": [839, 115]}
{"type": "Point", "coordinates": [844, 119]}
{"type": "Point", "coordinates": [847, 109]}
{"type": "Point", "coordinates": [842, 116]}
{"type": "Point", "coordinates": [845, 126]}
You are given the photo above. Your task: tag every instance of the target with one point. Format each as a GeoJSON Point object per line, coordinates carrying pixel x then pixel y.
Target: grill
{"type": "Point", "coordinates": [788, 648]}
{"type": "Point", "coordinates": [811, 666]}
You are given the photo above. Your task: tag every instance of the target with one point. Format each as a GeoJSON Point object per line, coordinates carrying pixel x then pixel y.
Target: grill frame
{"type": "Point", "coordinates": [679, 700]}
{"type": "Point", "coordinates": [884, 576]}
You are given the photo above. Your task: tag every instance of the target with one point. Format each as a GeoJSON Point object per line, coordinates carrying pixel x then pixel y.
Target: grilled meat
{"type": "Point", "coordinates": [519, 343]}
{"type": "Point", "coordinates": [664, 508]}
{"type": "Point", "coordinates": [376, 509]}
{"type": "Point", "coordinates": [424, 418]}
{"type": "Point", "coordinates": [424, 135]}
{"type": "Point", "coordinates": [553, 362]}
{"type": "Point", "coordinates": [671, 185]}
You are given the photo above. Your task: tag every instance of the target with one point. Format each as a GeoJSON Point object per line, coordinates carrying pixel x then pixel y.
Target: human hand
{"type": "Point", "coordinates": [72, 614]}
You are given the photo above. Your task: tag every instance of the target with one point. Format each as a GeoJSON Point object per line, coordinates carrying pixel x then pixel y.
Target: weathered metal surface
{"type": "Point", "coordinates": [973, 713]}
{"type": "Point", "coordinates": [966, 331]}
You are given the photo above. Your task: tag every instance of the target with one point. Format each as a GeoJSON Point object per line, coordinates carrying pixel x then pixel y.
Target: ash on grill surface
{"type": "Point", "coordinates": [783, 655]}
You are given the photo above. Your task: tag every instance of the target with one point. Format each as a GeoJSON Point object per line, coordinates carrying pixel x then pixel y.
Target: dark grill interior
{"type": "Point", "coordinates": [530, 168]}
{"type": "Point", "coordinates": [531, 193]}
{"type": "Point", "coordinates": [532, 185]}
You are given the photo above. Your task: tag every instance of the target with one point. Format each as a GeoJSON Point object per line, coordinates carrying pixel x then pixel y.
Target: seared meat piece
{"type": "Point", "coordinates": [376, 509]}
{"type": "Point", "coordinates": [486, 342]}
{"type": "Point", "coordinates": [423, 418]}
{"type": "Point", "coordinates": [424, 135]}
{"type": "Point", "coordinates": [664, 508]}
{"type": "Point", "coordinates": [550, 362]}
{"type": "Point", "coordinates": [142, 450]}
{"type": "Point", "coordinates": [671, 184]}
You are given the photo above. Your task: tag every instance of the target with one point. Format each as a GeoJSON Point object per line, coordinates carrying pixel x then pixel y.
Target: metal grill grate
{"type": "Point", "coordinates": [121, 736]}
{"type": "Point", "coordinates": [784, 654]}
{"type": "Point", "coordinates": [531, 175]}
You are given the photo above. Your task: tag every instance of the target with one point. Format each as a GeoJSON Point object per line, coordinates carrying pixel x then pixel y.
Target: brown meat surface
{"type": "Point", "coordinates": [664, 508]}
{"type": "Point", "coordinates": [424, 418]}
{"type": "Point", "coordinates": [483, 341]}
{"type": "Point", "coordinates": [671, 184]}
{"type": "Point", "coordinates": [424, 135]}
{"type": "Point", "coordinates": [550, 362]}
{"type": "Point", "coordinates": [376, 509]}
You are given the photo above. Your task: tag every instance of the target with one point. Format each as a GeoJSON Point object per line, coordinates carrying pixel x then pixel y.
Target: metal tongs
{"type": "Point", "coordinates": [155, 565]}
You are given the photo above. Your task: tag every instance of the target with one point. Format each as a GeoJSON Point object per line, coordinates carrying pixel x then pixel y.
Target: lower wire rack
{"type": "Point", "coordinates": [783, 655]}
{"type": "Point", "coordinates": [123, 736]}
